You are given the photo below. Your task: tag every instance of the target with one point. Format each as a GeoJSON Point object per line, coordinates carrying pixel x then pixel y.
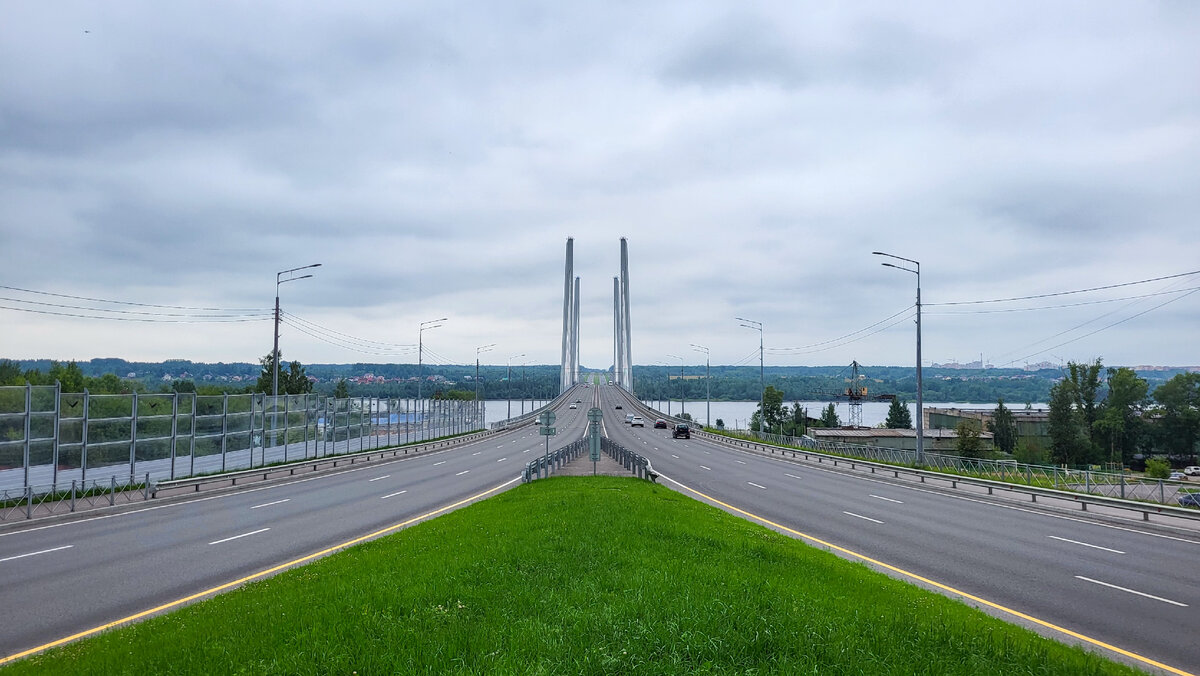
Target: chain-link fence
{"type": "Point", "coordinates": [51, 440]}
{"type": "Point", "coordinates": [1093, 482]}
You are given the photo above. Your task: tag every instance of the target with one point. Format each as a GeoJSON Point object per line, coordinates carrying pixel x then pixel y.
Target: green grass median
{"type": "Point", "coordinates": [585, 575]}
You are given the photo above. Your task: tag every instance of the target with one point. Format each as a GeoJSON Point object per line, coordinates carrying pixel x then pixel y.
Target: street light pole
{"type": "Point", "coordinates": [681, 402]}
{"type": "Point", "coordinates": [762, 397]}
{"type": "Point", "coordinates": [425, 326]}
{"type": "Point", "coordinates": [920, 399]}
{"type": "Point", "coordinates": [508, 382]}
{"type": "Point", "coordinates": [707, 385]}
{"type": "Point", "coordinates": [275, 349]}
{"type": "Point", "coordinates": [478, 350]}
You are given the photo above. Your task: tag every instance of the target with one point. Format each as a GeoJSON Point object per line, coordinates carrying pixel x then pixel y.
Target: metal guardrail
{"type": "Point", "coordinates": [634, 462]}
{"type": "Point", "coordinates": [1083, 499]}
{"type": "Point", "coordinates": [509, 423]}
{"type": "Point", "coordinates": [541, 467]}
{"type": "Point", "coordinates": [1093, 482]}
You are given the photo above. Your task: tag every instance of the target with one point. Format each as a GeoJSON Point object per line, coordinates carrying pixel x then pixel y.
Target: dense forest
{"type": "Point", "coordinates": [728, 383]}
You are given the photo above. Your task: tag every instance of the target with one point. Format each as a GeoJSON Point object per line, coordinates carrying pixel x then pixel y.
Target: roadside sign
{"type": "Point", "coordinates": [547, 431]}
{"type": "Point", "coordinates": [546, 418]}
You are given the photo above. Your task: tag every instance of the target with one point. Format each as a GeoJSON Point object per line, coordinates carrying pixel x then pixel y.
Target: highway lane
{"type": "Point", "coordinates": [71, 576]}
{"type": "Point", "coordinates": [1134, 586]}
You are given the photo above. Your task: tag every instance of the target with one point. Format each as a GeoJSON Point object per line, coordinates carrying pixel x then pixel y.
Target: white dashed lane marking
{"type": "Point", "coordinates": [1132, 591]}
{"type": "Point", "coordinates": [864, 518]}
{"type": "Point", "coordinates": [277, 502]}
{"type": "Point", "coordinates": [709, 469]}
{"type": "Point", "coordinates": [44, 551]}
{"type": "Point", "coordinates": [1084, 544]}
{"type": "Point", "coordinates": [392, 495]}
{"type": "Point", "coordinates": [462, 472]}
{"type": "Point", "coordinates": [880, 497]}
{"type": "Point", "coordinates": [235, 537]}
{"type": "Point", "coordinates": [756, 485]}
{"type": "Point", "coordinates": [378, 478]}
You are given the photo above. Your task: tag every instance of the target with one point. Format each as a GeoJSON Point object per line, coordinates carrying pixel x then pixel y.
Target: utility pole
{"type": "Point", "coordinates": [920, 400]}
{"type": "Point", "coordinates": [762, 397]}
{"type": "Point", "coordinates": [425, 326]}
{"type": "Point", "coordinates": [275, 349]}
{"type": "Point", "coordinates": [478, 404]}
{"type": "Point", "coordinates": [707, 385]}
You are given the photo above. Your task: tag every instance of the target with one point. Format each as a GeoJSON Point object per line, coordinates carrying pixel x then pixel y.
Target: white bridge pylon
{"type": "Point", "coordinates": [622, 362]}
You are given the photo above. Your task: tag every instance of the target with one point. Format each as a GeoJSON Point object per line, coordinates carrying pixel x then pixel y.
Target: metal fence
{"type": "Point", "coordinates": [51, 440]}
{"type": "Point", "coordinates": [1092, 482]}
{"type": "Point", "coordinates": [635, 463]}
{"type": "Point", "coordinates": [542, 466]}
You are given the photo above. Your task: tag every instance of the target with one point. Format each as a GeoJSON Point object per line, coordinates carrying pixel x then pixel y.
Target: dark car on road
{"type": "Point", "coordinates": [618, 407]}
{"type": "Point", "coordinates": [681, 431]}
{"type": "Point", "coordinates": [660, 424]}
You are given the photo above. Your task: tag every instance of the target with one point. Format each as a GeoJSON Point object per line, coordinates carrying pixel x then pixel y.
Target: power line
{"type": "Point", "coordinates": [197, 319]}
{"type": "Point", "coordinates": [834, 340]}
{"type": "Point", "coordinates": [123, 312]}
{"type": "Point", "coordinates": [881, 329]}
{"type": "Point", "coordinates": [1066, 293]}
{"type": "Point", "coordinates": [1066, 305]}
{"type": "Point", "coordinates": [337, 342]}
{"type": "Point", "coordinates": [366, 343]}
{"type": "Point", "coordinates": [1104, 328]}
{"type": "Point", "coordinates": [124, 302]}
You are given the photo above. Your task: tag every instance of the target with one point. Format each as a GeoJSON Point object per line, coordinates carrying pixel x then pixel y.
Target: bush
{"type": "Point", "coordinates": [1030, 452]}
{"type": "Point", "coordinates": [1157, 468]}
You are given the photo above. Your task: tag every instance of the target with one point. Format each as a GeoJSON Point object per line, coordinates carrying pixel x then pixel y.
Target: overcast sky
{"type": "Point", "coordinates": [434, 157]}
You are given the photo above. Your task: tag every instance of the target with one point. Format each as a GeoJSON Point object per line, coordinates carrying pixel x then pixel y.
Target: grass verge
{"type": "Point", "coordinates": [576, 576]}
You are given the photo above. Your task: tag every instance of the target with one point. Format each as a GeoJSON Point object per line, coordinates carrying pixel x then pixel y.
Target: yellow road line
{"type": "Point", "coordinates": [900, 571]}
{"type": "Point", "coordinates": [248, 578]}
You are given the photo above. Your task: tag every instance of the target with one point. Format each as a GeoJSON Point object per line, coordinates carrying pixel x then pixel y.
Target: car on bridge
{"type": "Point", "coordinates": [660, 424]}
{"type": "Point", "coordinates": [637, 421]}
{"type": "Point", "coordinates": [573, 405]}
{"type": "Point", "coordinates": [629, 418]}
{"type": "Point", "coordinates": [681, 431]}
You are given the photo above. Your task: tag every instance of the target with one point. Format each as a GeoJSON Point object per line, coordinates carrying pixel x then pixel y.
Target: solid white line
{"type": "Point", "coordinates": [1133, 591]}
{"type": "Point", "coordinates": [44, 551]}
{"type": "Point", "coordinates": [439, 463]}
{"type": "Point", "coordinates": [791, 475]}
{"type": "Point", "coordinates": [253, 532]}
{"type": "Point", "coordinates": [880, 497]}
{"type": "Point", "coordinates": [378, 478]}
{"type": "Point", "coordinates": [1077, 542]}
{"type": "Point", "coordinates": [756, 485]}
{"type": "Point", "coordinates": [860, 516]}
{"type": "Point", "coordinates": [462, 472]}
{"type": "Point", "coordinates": [705, 468]}
{"type": "Point", "coordinates": [392, 495]}
{"type": "Point", "coordinates": [268, 504]}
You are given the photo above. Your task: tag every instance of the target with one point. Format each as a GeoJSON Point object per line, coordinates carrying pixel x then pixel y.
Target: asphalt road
{"type": "Point", "coordinates": [1132, 585]}
{"type": "Point", "coordinates": [60, 578]}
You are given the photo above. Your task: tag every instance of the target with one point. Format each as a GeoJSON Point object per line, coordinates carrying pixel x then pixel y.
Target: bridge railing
{"type": "Point", "coordinates": [630, 460]}
{"type": "Point", "coordinates": [49, 438]}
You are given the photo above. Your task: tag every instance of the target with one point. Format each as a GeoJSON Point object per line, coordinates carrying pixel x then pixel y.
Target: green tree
{"type": "Point", "coordinates": [720, 423]}
{"type": "Point", "coordinates": [968, 443]}
{"type": "Point", "coordinates": [773, 401]}
{"type": "Point", "coordinates": [1085, 381]}
{"type": "Point", "coordinates": [292, 380]}
{"type": "Point", "coordinates": [1030, 452]}
{"type": "Point", "coordinates": [342, 391]}
{"type": "Point", "coordinates": [1179, 414]}
{"type": "Point", "coordinates": [1119, 422]}
{"type": "Point", "coordinates": [1069, 444]}
{"type": "Point", "coordinates": [67, 375]}
{"type": "Point", "coordinates": [10, 373]}
{"type": "Point", "coordinates": [1003, 428]}
{"type": "Point", "coordinates": [898, 416]}
{"type": "Point", "coordinates": [1157, 468]}
{"type": "Point", "coordinates": [797, 420]}
{"type": "Point", "coordinates": [829, 416]}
